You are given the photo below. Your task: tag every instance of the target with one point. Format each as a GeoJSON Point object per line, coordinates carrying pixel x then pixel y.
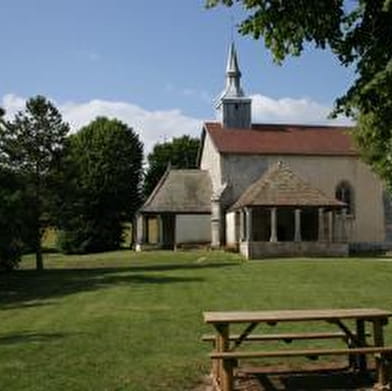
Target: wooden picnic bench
{"type": "Point", "coordinates": [225, 355]}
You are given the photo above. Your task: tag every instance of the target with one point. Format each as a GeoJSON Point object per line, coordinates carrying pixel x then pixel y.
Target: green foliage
{"type": "Point", "coordinates": [14, 220]}
{"type": "Point", "coordinates": [180, 152]}
{"type": "Point", "coordinates": [359, 33]}
{"type": "Point", "coordinates": [30, 147]}
{"type": "Point", "coordinates": [101, 176]}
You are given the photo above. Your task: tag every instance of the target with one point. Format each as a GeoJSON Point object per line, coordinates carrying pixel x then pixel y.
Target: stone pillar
{"type": "Point", "coordinates": [249, 231]}
{"type": "Point", "coordinates": [344, 227]}
{"type": "Point", "coordinates": [274, 235]}
{"type": "Point", "coordinates": [297, 228]}
{"type": "Point", "coordinates": [321, 228]}
{"type": "Point", "coordinates": [330, 226]}
{"type": "Point", "coordinates": [215, 224]}
{"type": "Point", "coordinates": [140, 232]}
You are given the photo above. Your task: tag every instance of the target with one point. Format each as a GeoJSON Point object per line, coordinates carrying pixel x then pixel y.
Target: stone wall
{"type": "Point", "coordinates": [368, 222]}
{"type": "Point", "coordinates": [211, 162]}
{"type": "Point", "coordinates": [259, 250]}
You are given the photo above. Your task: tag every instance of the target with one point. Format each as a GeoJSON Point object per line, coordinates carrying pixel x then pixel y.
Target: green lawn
{"type": "Point", "coordinates": [126, 321]}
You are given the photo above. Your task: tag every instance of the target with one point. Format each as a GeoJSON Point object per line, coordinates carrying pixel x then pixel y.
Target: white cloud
{"type": "Point", "coordinates": [152, 126]}
{"type": "Point", "coordinates": [302, 111]}
{"type": "Point", "coordinates": [12, 104]}
{"type": "Point", "coordinates": [155, 126]}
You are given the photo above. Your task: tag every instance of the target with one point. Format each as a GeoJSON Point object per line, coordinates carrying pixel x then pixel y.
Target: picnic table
{"type": "Point", "coordinates": [225, 353]}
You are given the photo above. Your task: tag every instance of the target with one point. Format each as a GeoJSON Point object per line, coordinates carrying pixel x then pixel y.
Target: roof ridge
{"type": "Point", "coordinates": [157, 187]}
{"type": "Point", "coordinates": [283, 124]}
{"type": "Point", "coordinates": [274, 193]}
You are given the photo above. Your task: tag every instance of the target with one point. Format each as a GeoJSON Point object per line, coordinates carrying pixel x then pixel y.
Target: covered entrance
{"type": "Point", "coordinates": [282, 215]}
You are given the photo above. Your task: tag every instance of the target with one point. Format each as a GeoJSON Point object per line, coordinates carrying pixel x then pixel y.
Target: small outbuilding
{"type": "Point", "coordinates": [178, 211]}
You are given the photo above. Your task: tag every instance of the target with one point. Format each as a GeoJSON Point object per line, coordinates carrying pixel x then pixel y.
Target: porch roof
{"type": "Point", "coordinates": [181, 191]}
{"type": "Point", "coordinates": [280, 186]}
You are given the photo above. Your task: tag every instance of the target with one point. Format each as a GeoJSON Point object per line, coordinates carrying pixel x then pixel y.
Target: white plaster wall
{"type": "Point", "coordinates": [211, 161]}
{"type": "Point", "coordinates": [324, 172]}
{"type": "Point", "coordinates": [193, 228]}
{"type": "Point", "coordinates": [230, 228]}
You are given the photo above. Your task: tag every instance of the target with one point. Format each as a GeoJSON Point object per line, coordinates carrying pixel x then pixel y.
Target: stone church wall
{"type": "Point", "coordinates": [211, 161]}
{"type": "Point", "coordinates": [325, 173]}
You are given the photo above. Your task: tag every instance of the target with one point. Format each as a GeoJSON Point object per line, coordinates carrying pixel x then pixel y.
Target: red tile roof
{"type": "Point", "coordinates": [283, 139]}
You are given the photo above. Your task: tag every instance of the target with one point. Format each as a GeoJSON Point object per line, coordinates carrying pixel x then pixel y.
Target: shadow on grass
{"type": "Point", "coordinates": [27, 337]}
{"type": "Point", "coordinates": [342, 379]}
{"type": "Point", "coordinates": [28, 288]}
{"type": "Point", "coordinates": [26, 304]}
{"type": "Point", "coordinates": [174, 266]}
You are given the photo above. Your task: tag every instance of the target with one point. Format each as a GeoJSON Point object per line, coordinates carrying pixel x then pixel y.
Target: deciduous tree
{"type": "Point", "coordinates": [180, 152]}
{"type": "Point", "coordinates": [102, 186]}
{"type": "Point", "coordinates": [30, 145]}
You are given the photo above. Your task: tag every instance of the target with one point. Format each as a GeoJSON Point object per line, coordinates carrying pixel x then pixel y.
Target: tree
{"type": "Point", "coordinates": [102, 186]}
{"type": "Point", "coordinates": [30, 147]}
{"type": "Point", "coordinates": [14, 220]}
{"type": "Point", "coordinates": [180, 152]}
{"type": "Point", "coordinates": [359, 33]}
{"type": "Point", "coordinates": [14, 214]}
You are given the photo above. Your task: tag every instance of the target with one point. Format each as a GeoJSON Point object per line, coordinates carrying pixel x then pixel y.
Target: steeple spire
{"type": "Point", "coordinates": [233, 76]}
{"type": "Point", "coordinates": [232, 103]}
{"type": "Point", "coordinates": [232, 62]}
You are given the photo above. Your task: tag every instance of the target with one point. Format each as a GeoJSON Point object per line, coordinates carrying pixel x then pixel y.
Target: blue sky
{"type": "Point", "coordinates": [155, 64]}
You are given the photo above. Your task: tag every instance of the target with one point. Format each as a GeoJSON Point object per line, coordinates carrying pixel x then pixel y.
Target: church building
{"type": "Point", "coordinates": [268, 190]}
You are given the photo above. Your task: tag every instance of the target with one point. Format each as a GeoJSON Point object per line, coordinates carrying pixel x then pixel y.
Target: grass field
{"type": "Point", "coordinates": [126, 321]}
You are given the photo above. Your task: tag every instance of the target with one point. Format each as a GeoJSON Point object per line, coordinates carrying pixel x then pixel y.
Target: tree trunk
{"type": "Point", "coordinates": [39, 264]}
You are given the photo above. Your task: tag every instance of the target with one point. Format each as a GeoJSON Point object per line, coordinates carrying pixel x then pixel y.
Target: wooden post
{"type": "Point", "coordinates": [274, 235]}
{"type": "Point", "coordinates": [225, 369]}
{"type": "Point", "coordinates": [227, 376]}
{"type": "Point", "coordinates": [297, 231]}
{"type": "Point", "coordinates": [361, 336]}
{"type": "Point", "coordinates": [381, 367]}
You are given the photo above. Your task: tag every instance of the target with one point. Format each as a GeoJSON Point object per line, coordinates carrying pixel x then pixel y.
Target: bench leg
{"type": "Point", "coordinates": [382, 368]}
{"type": "Point", "coordinates": [222, 345]}
{"type": "Point", "coordinates": [361, 336]}
{"type": "Point", "coordinates": [381, 362]}
{"type": "Point", "coordinates": [227, 379]}
{"type": "Point", "coordinates": [215, 363]}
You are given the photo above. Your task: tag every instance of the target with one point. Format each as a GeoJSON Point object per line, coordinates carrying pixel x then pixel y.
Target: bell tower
{"type": "Point", "coordinates": [233, 106]}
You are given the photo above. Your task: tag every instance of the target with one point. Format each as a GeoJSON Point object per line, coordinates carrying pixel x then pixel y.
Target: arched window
{"type": "Point", "coordinates": [344, 193]}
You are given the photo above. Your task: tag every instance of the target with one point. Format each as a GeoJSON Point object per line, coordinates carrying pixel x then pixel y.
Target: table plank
{"type": "Point", "coordinates": [294, 315]}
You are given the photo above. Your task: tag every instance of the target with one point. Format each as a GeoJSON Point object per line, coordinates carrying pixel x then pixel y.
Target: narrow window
{"type": "Point", "coordinates": [345, 194]}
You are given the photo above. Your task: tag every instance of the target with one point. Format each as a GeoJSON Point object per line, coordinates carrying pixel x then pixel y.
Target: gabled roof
{"type": "Point", "coordinates": [280, 186]}
{"type": "Point", "coordinates": [181, 191]}
{"type": "Point", "coordinates": [274, 139]}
